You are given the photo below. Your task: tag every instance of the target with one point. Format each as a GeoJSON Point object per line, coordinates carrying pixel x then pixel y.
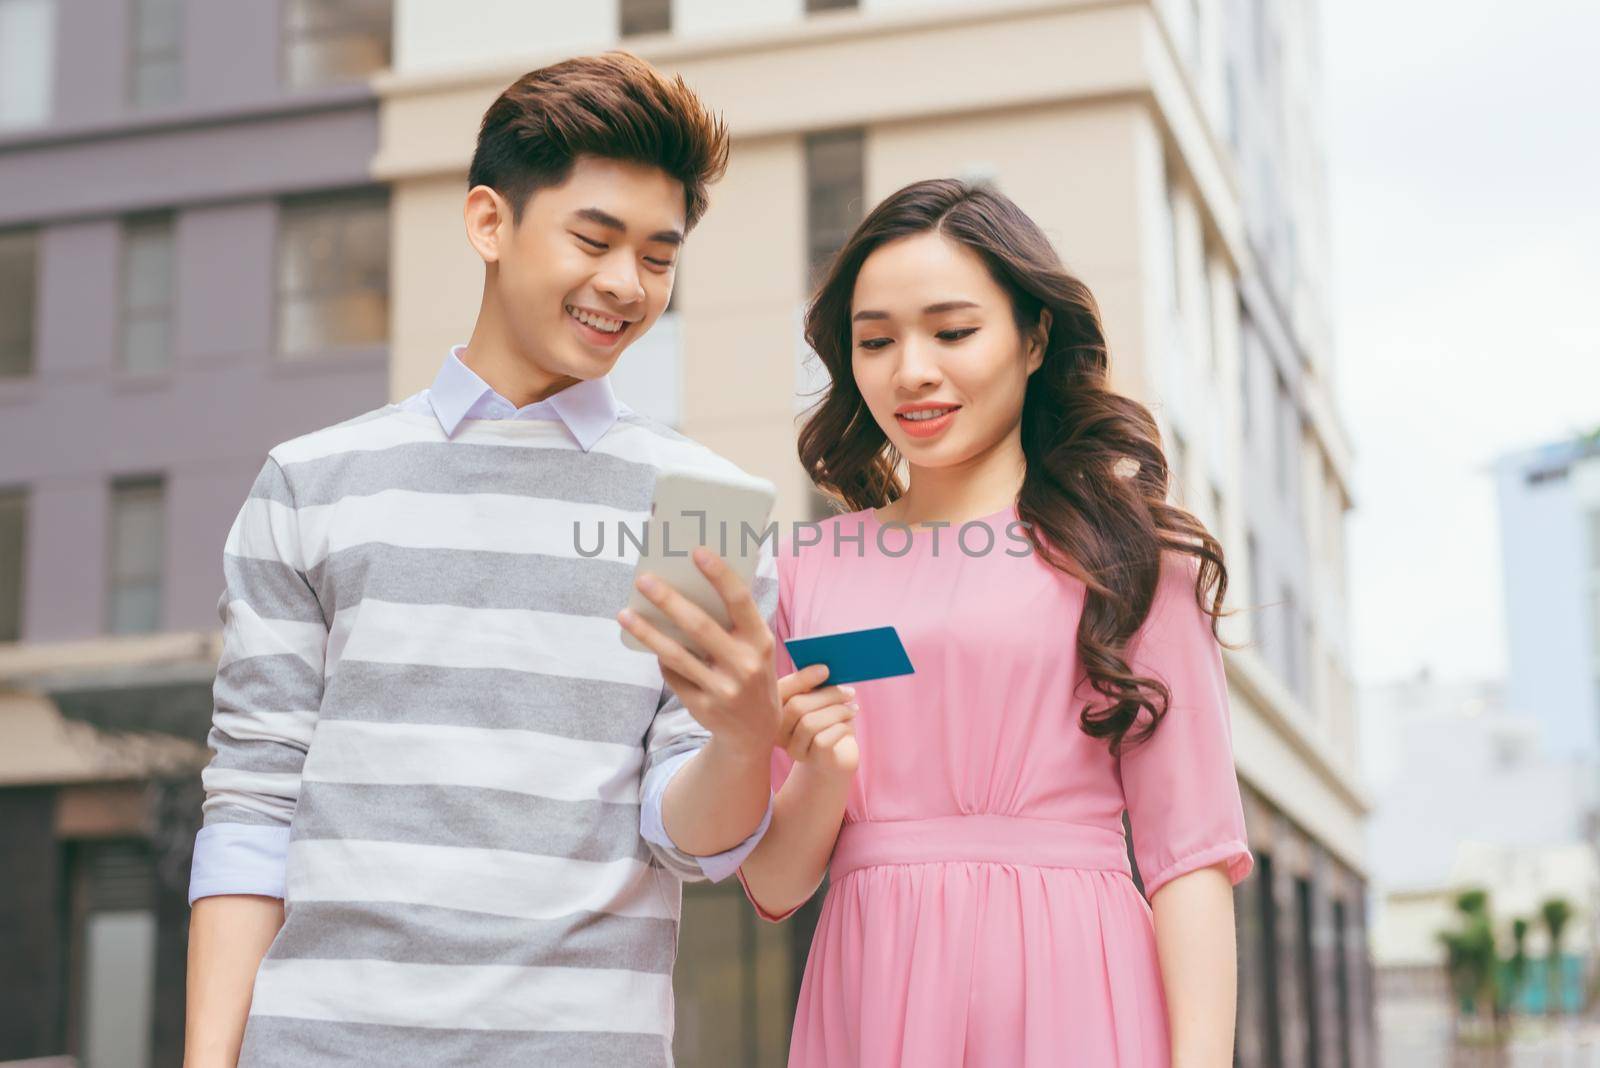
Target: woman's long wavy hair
{"type": "Point", "coordinates": [1095, 490]}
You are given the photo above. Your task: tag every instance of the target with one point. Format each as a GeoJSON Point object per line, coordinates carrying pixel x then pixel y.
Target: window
{"type": "Point", "coordinates": [1290, 629]}
{"type": "Point", "coordinates": [1252, 551]}
{"type": "Point", "coordinates": [18, 288]}
{"type": "Point", "coordinates": [13, 557]}
{"type": "Point", "coordinates": [1179, 465]}
{"type": "Point", "coordinates": [1247, 358]}
{"type": "Point", "coordinates": [138, 540]}
{"type": "Point", "coordinates": [112, 924]}
{"type": "Point", "coordinates": [1267, 904]}
{"type": "Point", "coordinates": [1341, 980]}
{"type": "Point", "coordinates": [1287, 449]}
{"type": "Point", "coordinates": [835, 189]}
{"type": "Point", "coordinates": [147, 293]}
{"type": "Point", "coordinates": [27, 61]}
{"type": "Point", "coordinates": [1167, 235]}
{"type": "Point", "coordinates": [1305, 958]}
{"type": "Point", "coordinates": [646, 16]}
{"type": "Point", "coordinates": [155, 68]}
{"type": "Point", "coordinates": [333, 273]}
{"type": "Point", "coordinates": [326, 42]}
{"type": "Point", "coordinates": [1231, 114]}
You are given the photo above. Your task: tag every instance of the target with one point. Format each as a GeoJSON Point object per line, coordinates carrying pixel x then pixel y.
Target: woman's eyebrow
{"type": "Point", "coordinates": [932, 309]}
{"type": "Point", "coordinates": [601, 217]}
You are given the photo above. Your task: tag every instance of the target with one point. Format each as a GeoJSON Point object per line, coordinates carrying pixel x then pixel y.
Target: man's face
{"type": "Point", "coordinates": [590, 266]}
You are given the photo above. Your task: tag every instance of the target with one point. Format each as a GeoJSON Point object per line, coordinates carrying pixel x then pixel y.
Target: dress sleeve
{"type": "Point", "coordinates": [781, 761]}
{"type": "Point", "coordinates": [1180, 786]}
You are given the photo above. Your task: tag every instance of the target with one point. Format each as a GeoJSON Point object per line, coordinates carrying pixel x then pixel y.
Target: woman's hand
{"type": "Point", "coordinates": [817, 728]}
{"type": "Point", "coordinates": [734, 694]}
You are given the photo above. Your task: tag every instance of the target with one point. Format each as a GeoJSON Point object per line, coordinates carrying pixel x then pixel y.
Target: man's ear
{"type": "Point", "coordinates": [488, 219]}
{"type": "Point", "coordinates": [1039, 341]}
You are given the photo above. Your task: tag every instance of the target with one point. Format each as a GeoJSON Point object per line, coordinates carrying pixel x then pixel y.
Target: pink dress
{"type": "Point", "coordinates": [981, 910]}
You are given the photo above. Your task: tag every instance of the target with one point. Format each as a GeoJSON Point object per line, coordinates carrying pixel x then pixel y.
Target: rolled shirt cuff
{"type": "Point", "coordinates": [239, 858]}
{"type": "Point", "coordinates": [717, 866]}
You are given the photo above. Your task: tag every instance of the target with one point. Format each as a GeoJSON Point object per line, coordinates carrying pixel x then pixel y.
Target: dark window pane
{"type": "Point", "coordinates": [138, 541]}
{"type": "Point", "coordinates": [646, 16]}
{"type": "Point", "coordinates": [1306, 955]}
{"type": "Point", "coordinates": [18, 288]}
{"type": "Point", "coordinates": [1341, 979]}
{"type": "Point", "coordinates": [146, 344]}
{"type": "Point", "coordinates": [155, 57]}
{"type": "Point", "coordinates": [1267, 901]}
{"type": "Point", "coordinates": [331, 41]}
{"type": "Point", "coordinates": [333, 284]}
{"type": "Point", "coordinates": [13, 545]}
{"type": "Point", "coordinates": [147, 294]}
{"type": "Point", "coordinates": [835, 189]}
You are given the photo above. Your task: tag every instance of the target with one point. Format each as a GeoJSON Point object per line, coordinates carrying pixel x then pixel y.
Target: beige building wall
{"type": "Point", "coordinates": [742, 283]}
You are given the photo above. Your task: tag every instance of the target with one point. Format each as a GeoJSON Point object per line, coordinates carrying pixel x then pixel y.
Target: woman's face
{"type": "Point", "coordinates": [936, 352]}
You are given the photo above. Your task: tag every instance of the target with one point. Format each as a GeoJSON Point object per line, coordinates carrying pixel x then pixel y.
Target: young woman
{"type": "Point", "coordinates": [1060, 615]}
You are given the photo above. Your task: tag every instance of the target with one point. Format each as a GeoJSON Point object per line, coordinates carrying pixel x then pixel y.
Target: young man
{"type": "Point", "coordinates": [449, 810]}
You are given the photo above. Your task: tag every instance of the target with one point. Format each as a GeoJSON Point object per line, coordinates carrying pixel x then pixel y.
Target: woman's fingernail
{"type": "Point", "coordinates": [848, 691]}
{"type": "Point", "coordinates": [647, 583]}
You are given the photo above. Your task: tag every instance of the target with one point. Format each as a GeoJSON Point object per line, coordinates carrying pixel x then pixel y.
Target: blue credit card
{"type": "Point", "coordinates": [853, 655]}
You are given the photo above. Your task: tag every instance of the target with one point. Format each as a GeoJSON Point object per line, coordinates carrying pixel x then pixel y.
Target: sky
{"type": "Point", "coordinates": [1464, 175]}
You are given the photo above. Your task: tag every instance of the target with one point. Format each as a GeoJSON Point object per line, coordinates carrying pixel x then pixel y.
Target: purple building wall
{"type": "Point", "coordinates": [220, 159]}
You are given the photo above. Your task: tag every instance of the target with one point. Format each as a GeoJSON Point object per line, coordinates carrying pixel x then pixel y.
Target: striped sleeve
{"type": "Point", "coordinates": [267, 694]}
{"type": "Point", "coordinates": [673, 738]}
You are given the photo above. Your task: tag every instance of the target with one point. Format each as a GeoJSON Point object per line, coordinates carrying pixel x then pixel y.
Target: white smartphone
{"type": "Point", "coordinates": [728, 515]}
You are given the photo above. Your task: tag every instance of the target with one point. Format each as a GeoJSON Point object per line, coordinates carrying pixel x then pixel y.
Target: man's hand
{"type": "Point", "coordinates": [817, 723]}
{"type": "Point", "coordinates": [734, 694]}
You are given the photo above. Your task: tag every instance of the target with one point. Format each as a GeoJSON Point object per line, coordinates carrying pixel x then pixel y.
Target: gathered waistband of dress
{"type": "Point", "coordinates": [981, 838]}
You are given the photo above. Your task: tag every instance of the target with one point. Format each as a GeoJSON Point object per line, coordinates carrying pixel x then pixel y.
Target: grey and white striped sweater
{"type": "Point", "coordinates": [424, 692]}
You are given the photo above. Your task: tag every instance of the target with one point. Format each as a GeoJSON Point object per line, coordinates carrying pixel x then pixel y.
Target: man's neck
{"type": "Point", "coordinates": [510, 372]}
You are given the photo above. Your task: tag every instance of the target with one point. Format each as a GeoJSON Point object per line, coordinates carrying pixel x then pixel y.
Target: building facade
{"type": "Point", "coordinates": [1549, 505]}
{"type": "Point", "coordinates": [1170, 148]}
{"type": "Point", "coordinates": [194, 266]}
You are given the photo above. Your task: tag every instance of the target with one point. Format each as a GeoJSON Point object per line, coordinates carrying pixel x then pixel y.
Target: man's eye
{"type": "Point", "coordinates": [658, 263]}
{"type": "Point", "coordinates": [591, 242]}
{"type": "Point", "coordinates": [956, 335]}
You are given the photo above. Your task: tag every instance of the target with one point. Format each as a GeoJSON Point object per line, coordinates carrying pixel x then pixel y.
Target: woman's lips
{"type": "Point", "coordinates": [927, 428]}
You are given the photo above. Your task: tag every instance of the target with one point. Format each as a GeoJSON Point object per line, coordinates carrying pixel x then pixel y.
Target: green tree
{"type": "Point", "coordinates": [1556, 913]}
{"type": "Point", "coordinates": [1474, 964]}
{"type": "Point", "coordinates": [1518, 964]}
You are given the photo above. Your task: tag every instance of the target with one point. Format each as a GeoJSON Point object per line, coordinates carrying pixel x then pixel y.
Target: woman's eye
{"type": "Point", "coordinates": [874, 343]}
{"type": "Point", "coordinates": [956, 335]}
